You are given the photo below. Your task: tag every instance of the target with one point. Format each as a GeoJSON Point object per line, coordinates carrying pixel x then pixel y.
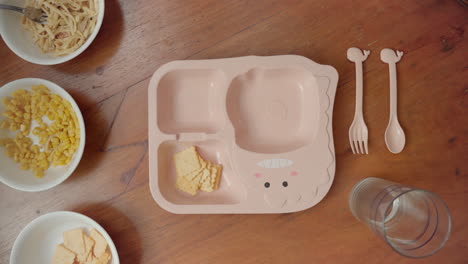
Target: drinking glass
{"type": "Point", "coordinates": [414, 222]}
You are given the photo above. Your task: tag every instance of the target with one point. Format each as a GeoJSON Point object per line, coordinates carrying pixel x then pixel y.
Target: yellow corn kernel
{"type": "Point", "coordinates": [39, 173]}
{"type": "Point", "coordinates": [7, 114]}
{"type": "Point", "coordinates": [25, 166]}
{"type": "Point", "coordinates": [51, 116]}
{"type": "Point", "coordinates": [35, 149]}
{"type": "Point", "coordinates": [4, 124]}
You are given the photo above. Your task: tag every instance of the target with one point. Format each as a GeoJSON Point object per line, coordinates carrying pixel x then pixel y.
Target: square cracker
{"type": "Point", "coordinates": [63, 255]}
{"type": "Point", "coordinates": [207, 180]}
{"type": "Point", "coordinates": [73, 240]}
{"type": "Point", "coordinates": [203, 163]}
{"type": "Point", "coordinates": [186, 161]}
{"type": "Point", "coordinates": [213, 174]}
{"type": "Point", "coordinates": [89, 244]}
{"type": "Point", "coordinates": [188, 186]}
{"type": "Point", "coordinates": [192, 175]}
{"type": "Point", "coordinates": [219, 171]}
{"type": "Point", "coordinates": [103, 258]}
{"type": "Point", "coordinates": [91, 260]}
{"type": "Point", "coordinates": [206, 186]}
{"type": "Point", "coordinates": [100, 244]}
{"type": "Point", "coordinates": [205, 175]}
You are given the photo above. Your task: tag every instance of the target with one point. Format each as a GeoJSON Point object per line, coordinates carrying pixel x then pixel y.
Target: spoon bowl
{"type": "Point", "coordinates": [395, 138]}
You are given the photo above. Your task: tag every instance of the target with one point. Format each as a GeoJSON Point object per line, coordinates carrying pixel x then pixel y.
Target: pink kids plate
{"type": "Point", "coordinates": [267, 120]}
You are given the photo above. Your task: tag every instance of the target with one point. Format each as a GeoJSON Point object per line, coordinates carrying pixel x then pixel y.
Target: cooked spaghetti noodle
{"type": "Point", "coordinates": [69, 24]}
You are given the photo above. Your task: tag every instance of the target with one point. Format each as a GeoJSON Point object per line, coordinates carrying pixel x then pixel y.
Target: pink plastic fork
{"type": "Point", "coordinates": [358, 134]}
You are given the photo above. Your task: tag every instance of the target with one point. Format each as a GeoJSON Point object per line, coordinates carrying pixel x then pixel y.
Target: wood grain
{"type": "Point", "coordinates": [110, 79]}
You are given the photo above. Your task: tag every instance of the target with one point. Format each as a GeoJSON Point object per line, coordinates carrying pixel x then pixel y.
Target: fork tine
{"type": "Point", "coordinates": [357, 137]}
{"type": "Point", "coordinates": [356, 147]}
{"type": "Point", "coordinates": [361, 150]}
{"type": "Point", "coordinates": [359, 140]}
{"type": "Point", "coordinates": [350, 135]}
{"type": "Point", "coordinates": [365, 139]}
{"type": "Point", "coordinates": [353, 145]}
{"type": "Point", "coordinates": [361, 143]}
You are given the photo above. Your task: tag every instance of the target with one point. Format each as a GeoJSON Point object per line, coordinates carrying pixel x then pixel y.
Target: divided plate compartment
{"type": "Point", "coordinates": [267, 120]}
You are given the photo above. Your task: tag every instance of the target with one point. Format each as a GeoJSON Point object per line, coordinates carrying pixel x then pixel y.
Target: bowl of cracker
{"type": "Point", "coordinates": [64, 238]}
{"type": "Point", "coordinates": [42, 134]}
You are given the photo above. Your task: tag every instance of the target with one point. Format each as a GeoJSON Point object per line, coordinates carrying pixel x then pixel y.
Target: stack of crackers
{"type": "Point", "coordinates": [194, 173]}
{"type": "Point", "coordinates": [79, 248]}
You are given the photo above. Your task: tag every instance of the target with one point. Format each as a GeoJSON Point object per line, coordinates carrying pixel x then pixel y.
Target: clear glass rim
{"type": "Point", "coordinates": [389, 207]}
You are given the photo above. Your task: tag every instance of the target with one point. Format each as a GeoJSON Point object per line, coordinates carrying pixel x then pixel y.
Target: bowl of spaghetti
{"type": "Point", "coordinates": [71, 27]}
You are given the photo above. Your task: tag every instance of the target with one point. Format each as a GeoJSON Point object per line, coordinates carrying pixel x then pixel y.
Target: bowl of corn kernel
{"type": "Point", "coordinates": [42, 134]}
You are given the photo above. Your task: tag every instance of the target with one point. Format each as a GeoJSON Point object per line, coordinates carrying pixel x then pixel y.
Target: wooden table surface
{"type": "Point", "coordinates": [110, 79]}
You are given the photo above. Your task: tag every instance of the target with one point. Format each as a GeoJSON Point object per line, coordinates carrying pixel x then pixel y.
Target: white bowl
{"type": "Point", "coordinates": [20, 41]}
{"type": "Point", "coordinates": [37, 241]}
{"type": "Point", "coordinates": [10, 171]}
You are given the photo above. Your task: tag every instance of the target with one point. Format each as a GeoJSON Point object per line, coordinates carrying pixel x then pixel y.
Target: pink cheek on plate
{"type": "Point", "coordinates": [257, 175]}
{"type": "Point", "coordinates": [294, 173]}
